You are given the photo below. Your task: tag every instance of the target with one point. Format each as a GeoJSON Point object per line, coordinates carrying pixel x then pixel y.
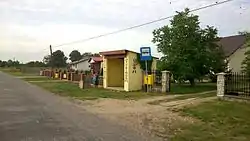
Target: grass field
{"type": "Point", "coordinates": [17, 72]}
{"type": "Point", "coordinates": [216, 121]}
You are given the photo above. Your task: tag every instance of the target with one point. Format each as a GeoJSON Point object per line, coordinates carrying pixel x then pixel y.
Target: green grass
{"type": "Point", "coordinates": [187, 89]}
{"type": "Point", "coordinates": [72, 90]}
{"type": "Point", "coordinates": [219, 121]}
{"type": "Point", "coordinates": [37, 79]}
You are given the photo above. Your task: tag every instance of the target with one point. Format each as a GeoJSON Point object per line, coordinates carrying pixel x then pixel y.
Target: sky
{"type": "Point", "coordinates": [28, 27]}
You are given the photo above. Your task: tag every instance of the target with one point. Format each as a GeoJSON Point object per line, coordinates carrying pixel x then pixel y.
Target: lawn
{"type": "Point", "coordinates": [72, 90]}
{"type": "Point", "coordinates": [217, 121]}
{"type": "Point", "coordinates": [187, 89]}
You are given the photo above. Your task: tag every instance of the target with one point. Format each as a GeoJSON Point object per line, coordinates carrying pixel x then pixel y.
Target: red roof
{"type": "Point", "coordinates": [97, 59]}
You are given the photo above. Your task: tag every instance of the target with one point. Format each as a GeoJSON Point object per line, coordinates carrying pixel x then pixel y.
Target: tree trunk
{"type": "Point", "coordinates": [192, 82]}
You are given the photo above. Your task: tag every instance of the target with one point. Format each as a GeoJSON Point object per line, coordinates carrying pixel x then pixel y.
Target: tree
{"type": "Point", "coordinates": [75, 55]}
{"type": "Point", "coordinates": [58, 59]}
{"type": "Point", "coordinates": [87, 54]}
{"type": "Point", "coordinates": [246, 62]}
{"type": "Point", "coordinates": [190, 52]}
{"type": "Point", "coordinates": [3, 63]}
{"type": "Point", "coordinates": [46, 59]}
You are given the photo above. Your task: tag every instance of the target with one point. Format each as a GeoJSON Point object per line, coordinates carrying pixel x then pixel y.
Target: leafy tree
{"type": "Point", "coordinates": [46, 59]}
{"type": "Point", "coordinates": [3, 63]}
{"type": "Point", "coordinates": [58, 59]}
{"type": "Point", "coordinates": [246, 61]}
{"type": "Point", "coordinates": [75, 55]}
{"type": "Point", "coordinates": [190, 52]}
{"type": "Point", "coordinates": [87, 54]}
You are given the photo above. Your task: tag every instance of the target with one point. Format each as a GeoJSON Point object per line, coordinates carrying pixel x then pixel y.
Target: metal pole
{"type": "Point", "coordinates": [146, 74]}
{"type": "Point", "coordinates": [50, 60]}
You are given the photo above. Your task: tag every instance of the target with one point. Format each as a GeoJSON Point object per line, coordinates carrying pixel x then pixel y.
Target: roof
{"type": "Point", "coordinates": [118, 52]}
{"type": "Point", "coordinates": [95, 59]}
{"type": "Point", "coordinates": [232, 43]}
{"type": "Point", "coordinates": [79, 61]}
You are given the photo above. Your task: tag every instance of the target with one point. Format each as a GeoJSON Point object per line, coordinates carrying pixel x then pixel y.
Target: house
{"type": "Point", "coordinates": [81, 65]}
{"type": "Point", "coordinates": [96, 64]}
{"type": "Point", "coordinates": [121, 70]}
{"type": "Point", "coordinates": [234, 49]}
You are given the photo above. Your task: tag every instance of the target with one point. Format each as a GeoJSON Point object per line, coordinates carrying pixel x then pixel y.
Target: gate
{"type": "Point", "coordinates": [237, 84]}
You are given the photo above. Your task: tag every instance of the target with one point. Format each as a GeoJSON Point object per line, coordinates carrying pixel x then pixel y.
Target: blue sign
{"type": "Point", "coordinates": [145, 53]}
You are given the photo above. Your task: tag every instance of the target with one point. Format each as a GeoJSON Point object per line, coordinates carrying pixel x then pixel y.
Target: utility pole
{"type": "Point", "coordinates": [50, 60]}
{"type": "Point", "coordinates": [50, 48]}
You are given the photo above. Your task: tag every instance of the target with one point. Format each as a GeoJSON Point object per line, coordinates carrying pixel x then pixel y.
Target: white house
{"type": "Point", "coordinates": [81, 65]}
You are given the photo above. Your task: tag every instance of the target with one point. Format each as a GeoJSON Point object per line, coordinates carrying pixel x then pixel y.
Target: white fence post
{"type": "Point", "coordinates": [165, 80]}
{"type": "Point", "coordinates": [221, 85]}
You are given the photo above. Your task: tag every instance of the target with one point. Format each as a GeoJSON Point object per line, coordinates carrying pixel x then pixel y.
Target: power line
{"type": "Point", "coordinates": [140, 25]}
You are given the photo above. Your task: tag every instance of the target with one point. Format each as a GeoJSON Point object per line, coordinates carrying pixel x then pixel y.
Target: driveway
{"type": "Point", "coordinates": [29, 113]}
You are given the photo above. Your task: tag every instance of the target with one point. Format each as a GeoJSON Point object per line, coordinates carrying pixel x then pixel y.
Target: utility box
{"type": "Point", "coordinates": [148, 80]}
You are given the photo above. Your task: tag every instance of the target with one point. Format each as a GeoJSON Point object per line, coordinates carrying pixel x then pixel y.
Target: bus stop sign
{"type": "Point", "coordinates": [145, 53]}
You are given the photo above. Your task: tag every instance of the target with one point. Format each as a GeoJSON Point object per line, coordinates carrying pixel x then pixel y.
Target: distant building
{"type": "Point", "coordinates": [234, 49]}
{"type": "Point", "coordinates": [81, 65]}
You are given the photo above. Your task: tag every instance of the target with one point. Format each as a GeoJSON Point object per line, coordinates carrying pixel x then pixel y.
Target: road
{"type": "Point", "coordinates": [29, 113]}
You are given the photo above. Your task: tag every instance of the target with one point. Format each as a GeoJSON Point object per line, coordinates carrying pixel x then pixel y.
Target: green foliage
{"type": "Point", "coordinates": [189, 51]}
{"type": "Point", "coordinates": [87, 54]}
{"type": "Point", "coordinates": [143, 65]}
{"type": "Point", "coordinates": [58, 59]}
{"type": "Point", "coordinates": [9, 63]}
{"type": "Point", "coordinates": [75, 55]}
{"type": "Point", "coordinates": [246, 61]}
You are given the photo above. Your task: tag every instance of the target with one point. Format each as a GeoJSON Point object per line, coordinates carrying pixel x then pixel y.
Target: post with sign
{"type": "Point", "coordinates": [146, 56]}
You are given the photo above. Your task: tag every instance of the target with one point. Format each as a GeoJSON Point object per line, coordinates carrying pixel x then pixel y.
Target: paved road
{"type": "Point", "coordinates": [29, 113]}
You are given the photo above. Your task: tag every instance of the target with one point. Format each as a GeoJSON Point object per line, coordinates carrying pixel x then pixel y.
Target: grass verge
{"type": "Point", "coordinates": [187, 89]}
{"type": "Point", "coordinates": [219, 121]}
{"type": "Point", "coordinates": [72, 90]}
{"type": "Point", "coordinates": [37, 78]}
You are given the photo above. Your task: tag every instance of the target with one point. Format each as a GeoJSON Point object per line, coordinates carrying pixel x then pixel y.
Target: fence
{"type": "Point", "coordinates": [237, 84]}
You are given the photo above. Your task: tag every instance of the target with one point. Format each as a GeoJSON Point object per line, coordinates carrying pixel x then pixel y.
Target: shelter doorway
{"type": "Point", "coordinates": [115, 73]}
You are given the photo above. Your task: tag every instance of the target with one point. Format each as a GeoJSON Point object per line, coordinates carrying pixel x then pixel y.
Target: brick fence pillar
{"type": "Point", "coordinates": [221, 85]}
{"type": "Point", "coordinates": [165, 80]}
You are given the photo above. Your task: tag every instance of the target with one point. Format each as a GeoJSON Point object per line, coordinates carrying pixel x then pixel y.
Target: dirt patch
{"type": "Point", "coordinates": [143, 117]}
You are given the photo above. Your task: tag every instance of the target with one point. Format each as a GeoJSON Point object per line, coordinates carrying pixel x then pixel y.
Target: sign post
{"type": "Point", "coordinates": [146, 56]}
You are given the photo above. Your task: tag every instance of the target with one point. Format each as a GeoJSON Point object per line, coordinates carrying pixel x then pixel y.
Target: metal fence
{"type": "Point", "coordinates": [237, 84]}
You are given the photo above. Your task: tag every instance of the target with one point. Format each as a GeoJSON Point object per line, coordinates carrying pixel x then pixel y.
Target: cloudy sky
{"type": "Point", "coordinates": [28, 27]}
